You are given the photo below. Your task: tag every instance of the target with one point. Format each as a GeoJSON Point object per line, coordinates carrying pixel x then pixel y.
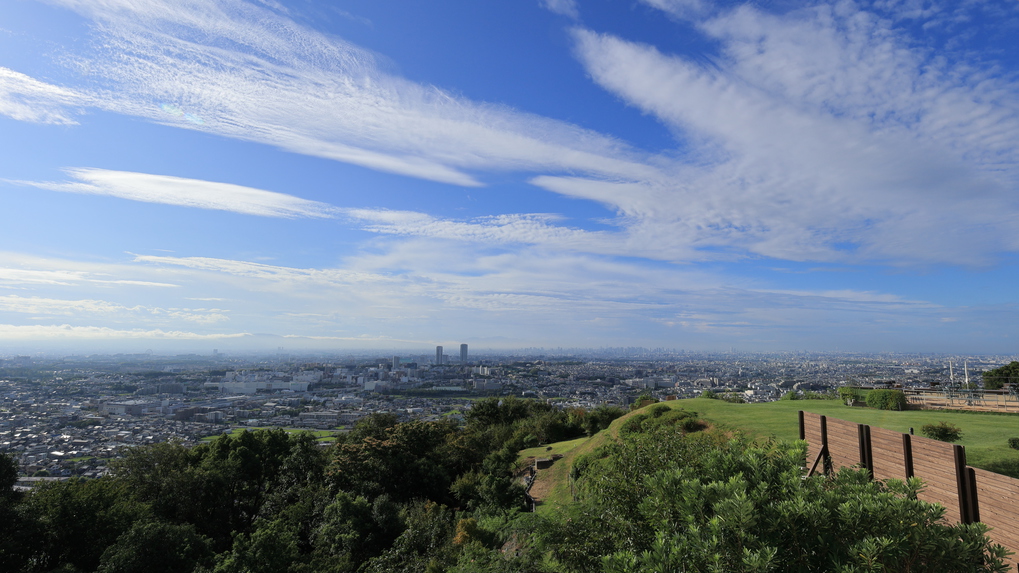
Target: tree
{"type": "Point", "coordinates": [16, 533]}
{"type": "Point", "coordinates": [998, 377]}
{"type": "Point", "coordinates": [157, 547]}
{"type": "Point", "coordinates": [77, 521]}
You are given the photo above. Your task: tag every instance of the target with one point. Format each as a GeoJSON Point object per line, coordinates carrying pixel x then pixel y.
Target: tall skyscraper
{"type": "Point", "coordinates": [463, 353]}
{"type": "Point", "coordinates": [438, 355]}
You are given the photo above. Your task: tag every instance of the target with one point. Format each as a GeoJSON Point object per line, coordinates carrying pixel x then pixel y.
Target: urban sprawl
{"type": "Point", "coordinates": [69, 416]}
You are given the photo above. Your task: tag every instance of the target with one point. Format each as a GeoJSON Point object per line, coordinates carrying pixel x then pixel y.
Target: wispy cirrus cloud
{"type": "Point", "coordinates": [27, 99]}
{"type": "Point", "coordinates": [18, 332]}
{"type": "Point", "coordinates": [566, 8]}
{"type": "Point", "coordinates": [820, 134]}
{"type": "Point", "coordinates": [76, 307]}
{"type": "Point", "coordinates": [183, 192]}
{"type": "Point", "coordinates": [23, 276]}
{"type": "Point", "coordinates": [243, 71]}
{"type": "Point", "coordinates": [529, 228]}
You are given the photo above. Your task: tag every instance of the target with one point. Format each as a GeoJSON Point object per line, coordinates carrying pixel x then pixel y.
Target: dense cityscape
{"type": "Point", "coordinates": [68, 416]}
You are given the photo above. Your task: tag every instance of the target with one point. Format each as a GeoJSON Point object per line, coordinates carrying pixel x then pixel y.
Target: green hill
{"type": "Point", "coordinates": [985, 435]}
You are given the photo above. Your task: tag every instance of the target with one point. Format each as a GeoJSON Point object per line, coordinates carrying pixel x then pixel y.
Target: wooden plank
{"type": "Point", "coordinates": [887, 454]}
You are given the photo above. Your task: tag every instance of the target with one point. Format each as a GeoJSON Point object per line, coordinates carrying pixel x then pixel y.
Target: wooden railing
{"type": "Point", "coordinates": [968, 494]}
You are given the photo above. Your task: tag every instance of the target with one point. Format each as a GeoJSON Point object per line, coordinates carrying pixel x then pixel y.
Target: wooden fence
{"type": "Point", "coordinates": [968, 494]}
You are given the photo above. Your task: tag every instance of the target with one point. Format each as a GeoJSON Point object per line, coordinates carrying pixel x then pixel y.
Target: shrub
{"type": "Point", "coordinates": [709, 395]}
{"type": "Point", "coordinates": [790, 395]}
{"type": "Point", "coordinates": [886, 399]}
{"type": "Point", "coordinates": [942, 431]}
{"type": "Point", "coordinates": [1013, 443]}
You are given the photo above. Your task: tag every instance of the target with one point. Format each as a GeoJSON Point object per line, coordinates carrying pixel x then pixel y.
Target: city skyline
{"type": "Point", "coordinates": [822, 176]}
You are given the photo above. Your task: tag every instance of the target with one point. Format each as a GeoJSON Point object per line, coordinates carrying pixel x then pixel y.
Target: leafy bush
{"type": "Point", "coordinates": [790, 395]}
{"type": "Point", "coordinates": [1013, 443]}
{"type": "Point", "coordinates": [1009, 468]}
{"type": "Point", "coordinates": [886, 399]}
{"type": "Point", "coordinates": [659, 418]}
{"type": "Point", "coordinates": [710, 502]}
{"type": "Point", "coordinates": [709, 395]}
{"type": "Point", "coordinates": [942, 431]}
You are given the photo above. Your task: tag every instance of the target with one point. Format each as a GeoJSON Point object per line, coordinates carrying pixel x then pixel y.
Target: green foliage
{"type": "Point", "coordinates": [157, 547]}
{"type": "Point", "coordinates": [942, 431]}
{"type": "Point", "coordinates": [848, 394]}
{"type": "Point", "coordinates": [424, 545]}
{"type": "Point", "coordinates": [660, 417]}
{"type": "Point", "coordinates": [15, 530]}
{"type": "Point", "coordinates": [790, 395]}
{"type": "Point", "coordinates": [599, 419]}
{"type": "Point", "coordinates": [710, 395]}
{"type": "Point", "coordinates": [643, 400]}
{"type": "Point", "coordinates": [886, 399]}
{"type": "Point", "coordinates": [74, 522]}
{"type": "Point", "coordinates": [705, 502]}
{"type": "Point", "coordinates": [998, 377]}
{"type": "Point", "coordinates": [1013, 443]}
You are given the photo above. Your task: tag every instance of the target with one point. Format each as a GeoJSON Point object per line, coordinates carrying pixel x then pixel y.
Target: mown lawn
{"type": "Point", "coordinates": [985, 435]}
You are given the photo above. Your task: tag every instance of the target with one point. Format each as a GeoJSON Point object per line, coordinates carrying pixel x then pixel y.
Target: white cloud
{"type": "Point", "coordinates": [26, 99]}
{"type": "Point", "coordinates": [533, 228]}
{"type": "Point", "coordinates": [22, 276]}
{"type": "Point", "coordinates": [424, 288]}
{"type": "Point", "coordinates": [681, 8]}
{"type": "Point", "coordinates": [186, 193]}
{"type": "Point", "coordinates": [238, 70]}
{"type": "Point", "coordinates": [820, 136]}
{"type": "Point", "coordinates": [566, 8]}
{"type": "Point", "coordinates": [62, 307]}
{"type": "Point", "coordinates": [18, 332]}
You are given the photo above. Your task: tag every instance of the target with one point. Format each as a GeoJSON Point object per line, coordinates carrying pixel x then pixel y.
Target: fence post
{"type": "Point", "coordinates": [803, 427]}
{"type": "Point", "coordinates": [824, 446]}
{"type": "Point", "coordinates": [971, 487]}
{"type": "Point", "coordinates": [866, 454]}
{"type": "Point", "coordinates": [907, 455]}
{"type": "Point", "coordinates": [962, 482]}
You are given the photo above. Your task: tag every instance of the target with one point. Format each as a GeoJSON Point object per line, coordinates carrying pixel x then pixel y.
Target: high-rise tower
{"type": "Point", "coordinates": [463, 353]}
{"type": "Point", "coordinates": [438, 355]}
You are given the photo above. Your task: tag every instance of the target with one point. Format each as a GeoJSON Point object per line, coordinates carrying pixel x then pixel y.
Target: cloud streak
{"type": "Point", "coordinates": [183, 192]}
{"type": "Point", "coordinates": [63, 307]}
{"type": "Point", "coordinates": [243, 71]}
{"type": "Point", "coordinates": [27, 99]}
{"type": "Point", "coordinates": [17, 333]}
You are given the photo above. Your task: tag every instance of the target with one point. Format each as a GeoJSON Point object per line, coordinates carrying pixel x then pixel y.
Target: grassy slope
{"type": "Point", "coordinates": [984, 435]}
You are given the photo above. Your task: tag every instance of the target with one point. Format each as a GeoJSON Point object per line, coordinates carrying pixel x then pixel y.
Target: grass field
{"type": "Point", "coordinates": [984, 435]}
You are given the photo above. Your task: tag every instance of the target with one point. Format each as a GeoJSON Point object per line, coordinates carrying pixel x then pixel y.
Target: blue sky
{"type": "Point", "coordinates": [668, 173]}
